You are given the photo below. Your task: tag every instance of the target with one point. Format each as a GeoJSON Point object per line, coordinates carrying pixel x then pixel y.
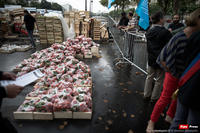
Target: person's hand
{"type": "Point", "coordinates": [13, 90]}
{"type": "Point", "coordinates": [170, 29]}
{"type": "Point", "coordinates": [9, 76]}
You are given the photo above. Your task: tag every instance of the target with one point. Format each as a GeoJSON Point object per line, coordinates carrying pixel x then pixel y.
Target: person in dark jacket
{"type": "Point", "coordinates": [10, 91]}
{"type": "Point", "coordinates": [157, 37]}
{"type": "Point", "coordinates": [30, 24]}
{"type": "Point", "coordinates": [123, 21]}
{"type": "Point", "coordinates": [172, 60]}
{"type": "Point", "coordinates": [188, 107]}
{"type": "Point", "coordinates": [176, 23]}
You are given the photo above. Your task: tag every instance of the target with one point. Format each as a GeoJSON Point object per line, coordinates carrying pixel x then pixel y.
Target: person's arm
{"type": "Point", "coordinates": [131, 27]}
{"type": "Point", "coordinates": [178, 30]}
{"type": "Point", "coordinates": [7, 76]}
{"type": "Point", "coordinates": [1, 74]}
{"type": "Point", "coordinates": [2, 92]}
{"type": "Point", "coordinates": [34, 19]}
{"type": "Point", "coordinates": [120, 23]}
{"type": "Point", "coordinates": [25, 19]}
{"type": "Point", "coordinates": [170, 27]}
{"type": "Point", "coordinates": [162, 58]}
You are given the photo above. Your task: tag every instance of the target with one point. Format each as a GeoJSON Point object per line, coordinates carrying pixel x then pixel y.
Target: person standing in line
{"type": "Point", "coordinates": [172, 59]}
{"type": "Point", "coordinates": [188, 107]}
{"type": "Point", "coordinates": [10, 91]}
{"type": "Point", "coordinates": [132, 22]}
{"type": "Point", "coordinates": [29, 22]}
{"type": "Point", "coordinates": [123, 21]}
{"type": "Point", "coordinates": [175, 24]}
{"type": "Point", "coordinates": [157, 37]}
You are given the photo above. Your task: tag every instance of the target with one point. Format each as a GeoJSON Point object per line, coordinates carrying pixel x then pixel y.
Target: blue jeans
{"type": "Point", "coordinates": [185, 115]}
{"type": "Point", "coordinates": [30, 34]}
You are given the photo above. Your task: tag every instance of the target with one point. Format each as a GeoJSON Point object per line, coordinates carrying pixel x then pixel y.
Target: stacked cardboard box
{"type": "Point", "coordinates": [96, 30]}
{"type": "Point", "coordinates": [58, 32]}
{"type": "Point", "coordinates": [41, 25]}
{"type": "Point", "coordinates": [50, 30]}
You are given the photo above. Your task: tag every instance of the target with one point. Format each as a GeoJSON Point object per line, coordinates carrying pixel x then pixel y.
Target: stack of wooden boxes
{"type": "Point", "coordinates": [96, 30]}
{"type": "Point", "coordinates": [17, 12]}
{"type": "Point", "coordinates": [85, 29]}
{"type": "Point", "coordinates": [58, 31]}
{"type": "Point", "coordinates": [69, 17]}
{"type": "Point", "coordinates": [50, 30]}
{"type": "Point", "coordinates": [82, 24]}
{"type": "Point", "coordinates": [41, 25]}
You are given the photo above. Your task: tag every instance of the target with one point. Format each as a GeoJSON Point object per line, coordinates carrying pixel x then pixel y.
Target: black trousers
{"type": "Point", "coordinates": [6, 126]}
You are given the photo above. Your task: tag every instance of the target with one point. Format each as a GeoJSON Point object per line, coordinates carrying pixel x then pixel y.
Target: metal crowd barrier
{"type": "Point", "coordinates": [131, 45]}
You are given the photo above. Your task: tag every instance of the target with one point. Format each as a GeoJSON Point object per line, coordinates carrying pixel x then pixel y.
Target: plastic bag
{"type": "Point", "coordinates": [71, 31]}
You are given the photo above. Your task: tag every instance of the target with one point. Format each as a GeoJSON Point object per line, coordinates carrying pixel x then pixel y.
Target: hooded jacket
{"type": "Point", "coordinates": [157, 37]}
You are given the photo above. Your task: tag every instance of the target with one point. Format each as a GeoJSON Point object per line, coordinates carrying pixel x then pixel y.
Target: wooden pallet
{"type": "Point", "coordinates": [51, 116]}
{"type": "Point", "coordinates": [82, 115]}
{"type": "Point", "coordinates": [63, 115]}
{"type": "Point", "coordinates": [23, 115]}
{"type": "Point", "coordinates": [42, 116]}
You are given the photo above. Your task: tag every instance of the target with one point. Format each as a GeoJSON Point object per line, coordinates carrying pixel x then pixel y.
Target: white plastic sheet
{"type": "Point", "coordinates": [71, 31]}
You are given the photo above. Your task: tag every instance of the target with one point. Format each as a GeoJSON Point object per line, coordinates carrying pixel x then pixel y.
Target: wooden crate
{"type": "Point", "coordinates": [43, 41]}
{"type": "Point", "coordinates": [50, 41]}
{"type": "Point", "coordinates": [58, 37]}
{"type": "Point", "coordinates": [57, 21]}
{"type": "Point", "coordinates": [42, 31]}
{"type": "Point", "coordinates": [57, 25]}
{"type": "Point", "coordinates": [49, 19]}
{"type": "Point", "coordinates": [88, 56]}
{"type": "Point", "coordinates": [42, 116]}
{"type": "Point", "coordinates": [76, 15]}
{"type": "Point", "coordinates": [95, 51]}
{"type": "Point", "coordinates": [82, 115]}
{"type": "Point", "coordinates": [43, 36]}
{"type": "Point", "coordinates": [58, 34]}
{"type": "Point", "coordinates": [58, 41]}
{"type": "Point", "coordinates": [50, 36]}
{"type": "Point", "coordinates": [23, 115]}
{"type": "Point", "coordinates": [96, 38]}
{"type": "Point", "coordinates": [63, 115]}
{"type": "Point", "coordinates": [58, 30]}
{"type": "Point", "coordinates": [49, 29]}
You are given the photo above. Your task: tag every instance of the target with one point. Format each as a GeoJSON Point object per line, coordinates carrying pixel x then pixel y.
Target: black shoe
{"type": "Point", "coordinates": [146, 99]}
{"type": "Point", "coordinates": [153, 101]}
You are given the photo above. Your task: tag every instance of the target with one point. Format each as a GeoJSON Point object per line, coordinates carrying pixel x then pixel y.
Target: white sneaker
{"type": "Point", "coordinates": [168, 119]}
{"type": "Point", "coordinates": [150, 127]}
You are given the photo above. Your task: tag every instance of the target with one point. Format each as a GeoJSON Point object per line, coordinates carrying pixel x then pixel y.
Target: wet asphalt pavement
{"type": "Point", "coordinates": [118, 106]}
